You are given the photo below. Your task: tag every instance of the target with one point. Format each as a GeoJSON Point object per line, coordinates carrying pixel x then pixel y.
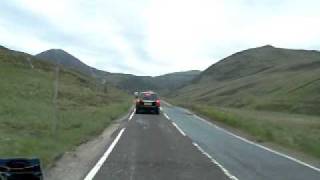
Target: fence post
{"type": "Point", "coordinates": [55, 100]}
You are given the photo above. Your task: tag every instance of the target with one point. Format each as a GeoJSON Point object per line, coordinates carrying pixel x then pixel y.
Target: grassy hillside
{"type": "Point", "coordinates": [265, 78]}
{"type": "Point", "coordinates": [270, 93]}
{"type": "Point", "coordinates": [27, 116]}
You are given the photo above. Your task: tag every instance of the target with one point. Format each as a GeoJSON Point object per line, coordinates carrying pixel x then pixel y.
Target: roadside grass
{"type": "Point", "coordinates": [27, 117]}
{"type": "Point", "coordinates": [295, 131]}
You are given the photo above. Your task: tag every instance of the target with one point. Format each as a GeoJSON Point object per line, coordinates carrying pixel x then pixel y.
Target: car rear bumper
{"type": "Point", "coordinates": [147, 107]}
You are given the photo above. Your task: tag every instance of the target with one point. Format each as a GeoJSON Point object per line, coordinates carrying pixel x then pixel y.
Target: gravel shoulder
{"type": "Point", "coordinates": [76, 164]}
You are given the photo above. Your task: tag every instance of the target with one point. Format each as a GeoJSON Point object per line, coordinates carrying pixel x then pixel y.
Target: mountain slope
{"type": "Point", "coordinates": [31, 126]}
{"type": "Point", "coordinates": [58, 56]}
{"type": "Point", "coordinates": [264, 78]}
{"type": "Point", "coordinates": [122, 81]}
{"type": "Point", "coordinates": [173, 81]}
{"type": "Point", "coordinates": [128, 82]}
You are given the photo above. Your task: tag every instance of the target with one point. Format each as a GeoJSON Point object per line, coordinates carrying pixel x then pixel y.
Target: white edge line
{"type": "Point", "coordinates": [104, 157]}
{"type": "Point", "coordinates": [132, 114]}
{"type": "Point", "coordinates": [180, 130]}
{"type": "Point", "coordinates": [165, 102]}
{"type": "Point", "coordinates": [261, 146]}
{"type": "Point", "coordinates": [166, 115]}
{"type": "Point", "coordinates": [225, 171]}
{"type": "Point", "coordinates": [175, 125]}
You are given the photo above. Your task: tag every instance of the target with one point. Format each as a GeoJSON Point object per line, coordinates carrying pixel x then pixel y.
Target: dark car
{"type": "Point", "coordinates": [148, 102]}
{"type": "Point", "coordinates": [20, 169]}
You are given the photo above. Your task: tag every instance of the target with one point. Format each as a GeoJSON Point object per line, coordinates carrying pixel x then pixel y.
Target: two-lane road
{"type": "Point", "coordinates": [244, 159]}
{"type": "Point", "coordinates": [179, 145]}
{"type": "Point", "coordinates": [151, 148]}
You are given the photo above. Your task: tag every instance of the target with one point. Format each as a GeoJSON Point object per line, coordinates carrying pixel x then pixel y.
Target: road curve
{"type": "Point", "coordinates": [152, 148]}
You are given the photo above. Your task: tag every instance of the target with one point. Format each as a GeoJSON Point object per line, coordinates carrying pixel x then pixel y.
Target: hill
{"type": "Point", "coordinates": [264, 78]}
{"type": "Point", "coordinates": [61, 57]}
{"type": "Point", "coordinates": [32, 126]}
{"type": "Point", "coordinates": [171, 82]}
{"type": "Point", "coordinates": [271, 94]}
{"type": "Point", "coordinates": [127, 82]}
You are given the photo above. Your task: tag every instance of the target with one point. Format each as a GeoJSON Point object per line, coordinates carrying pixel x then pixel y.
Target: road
{"type": "Point", "coordinates": [179, 145]}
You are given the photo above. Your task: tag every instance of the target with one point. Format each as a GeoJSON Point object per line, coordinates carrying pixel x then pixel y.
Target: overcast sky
{"type": "Point", "coordinates": [152, 37]}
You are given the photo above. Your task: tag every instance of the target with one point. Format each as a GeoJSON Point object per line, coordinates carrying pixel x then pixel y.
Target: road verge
{"type": "Point", "coordinates": [76, 164]}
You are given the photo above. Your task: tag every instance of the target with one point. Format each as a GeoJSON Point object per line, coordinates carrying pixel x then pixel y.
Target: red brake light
{"type": "Point", "coordinates": [158, 102]}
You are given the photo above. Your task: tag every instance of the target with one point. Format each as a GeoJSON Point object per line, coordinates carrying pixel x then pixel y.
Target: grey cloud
{"type": "Point", "coordinates": [30, 24]}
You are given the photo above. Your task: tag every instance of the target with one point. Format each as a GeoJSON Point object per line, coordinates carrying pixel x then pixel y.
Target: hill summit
{"type": "Point", "coordinates": [59, 56]}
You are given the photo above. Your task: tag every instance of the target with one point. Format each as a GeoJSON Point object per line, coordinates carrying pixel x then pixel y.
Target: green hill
{"type": "Point", "coordinates": [264, 78]}
{"type": "Point", "coordinates": [267, 92]}
{"type": "Point", "coordinates": [171, 82]}
{"type": "Point", "coordinates": [130, 83]}
{"type": "Point", "coordinates": [58, 56]}
{"type": "Point", "coordinates": [29, 124]}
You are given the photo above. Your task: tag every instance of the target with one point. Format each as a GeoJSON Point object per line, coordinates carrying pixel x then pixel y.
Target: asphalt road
{"type": "Point", "coordinates": [244, 159]}
{"type": "Point", "coordinates": [151, 148]}
{"type": "Point", "coordinates": [179, 145]}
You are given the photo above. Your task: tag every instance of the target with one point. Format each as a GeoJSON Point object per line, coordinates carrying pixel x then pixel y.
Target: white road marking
{"type": "Point", "coordinates": [104, 157]}
{"type": "Point", "coordinates": [132, 114]}
{"type": "Point", "coordinates": [225, 171]}
{"type": "Point", "coordinates": [261, 146]}
{"type": "Point", "coordinates": [180, 130]}
{"type": "Point", "coordinates": [166, 115]}
{"type": "Point", "coordinates": [205, 121]}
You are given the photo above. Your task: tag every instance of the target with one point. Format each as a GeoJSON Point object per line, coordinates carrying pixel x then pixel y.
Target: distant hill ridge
{"type": "Point", "coordinates": [259, 59]}
{"type": "Point", "coordinates": [164, 83]}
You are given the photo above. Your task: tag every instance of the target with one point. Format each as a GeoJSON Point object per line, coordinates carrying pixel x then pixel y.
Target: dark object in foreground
{"type": "Point", "coordinates": [20, 169]}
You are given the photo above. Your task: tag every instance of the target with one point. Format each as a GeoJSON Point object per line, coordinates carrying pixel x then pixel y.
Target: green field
{"type": "Point", "coordinates": [29, 126]}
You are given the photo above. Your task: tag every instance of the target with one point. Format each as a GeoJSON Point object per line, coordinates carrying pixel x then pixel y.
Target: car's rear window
{"type": "Point", "coordinates": [149, 96]}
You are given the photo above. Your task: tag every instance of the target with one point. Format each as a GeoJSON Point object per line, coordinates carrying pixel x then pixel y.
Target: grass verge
{"type": "Point", "coordinates": [294, 131]}
{"type": "Point", "coordinates": [27, 116]}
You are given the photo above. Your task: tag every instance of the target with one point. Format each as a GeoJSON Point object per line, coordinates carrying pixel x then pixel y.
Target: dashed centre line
{"type": "Point", "coordinates": [180, 130]}
{"type": "Point", "coordinates": [225, 171]}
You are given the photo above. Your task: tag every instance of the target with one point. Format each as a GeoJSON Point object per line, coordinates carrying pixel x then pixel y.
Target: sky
{"type": "Point", "coordinates": [153, 37]}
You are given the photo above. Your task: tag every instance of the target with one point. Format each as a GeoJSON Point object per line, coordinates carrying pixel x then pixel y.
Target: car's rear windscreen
{"type": "Point", "coordinates": [149, 96]}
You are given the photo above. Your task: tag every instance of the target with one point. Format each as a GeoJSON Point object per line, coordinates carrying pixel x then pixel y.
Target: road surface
{"type": "Point", "coordinates": [179, 145]}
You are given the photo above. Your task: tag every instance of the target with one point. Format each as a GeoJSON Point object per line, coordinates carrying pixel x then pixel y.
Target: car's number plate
{"type": "Point", "coordinates": [147, 104]}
